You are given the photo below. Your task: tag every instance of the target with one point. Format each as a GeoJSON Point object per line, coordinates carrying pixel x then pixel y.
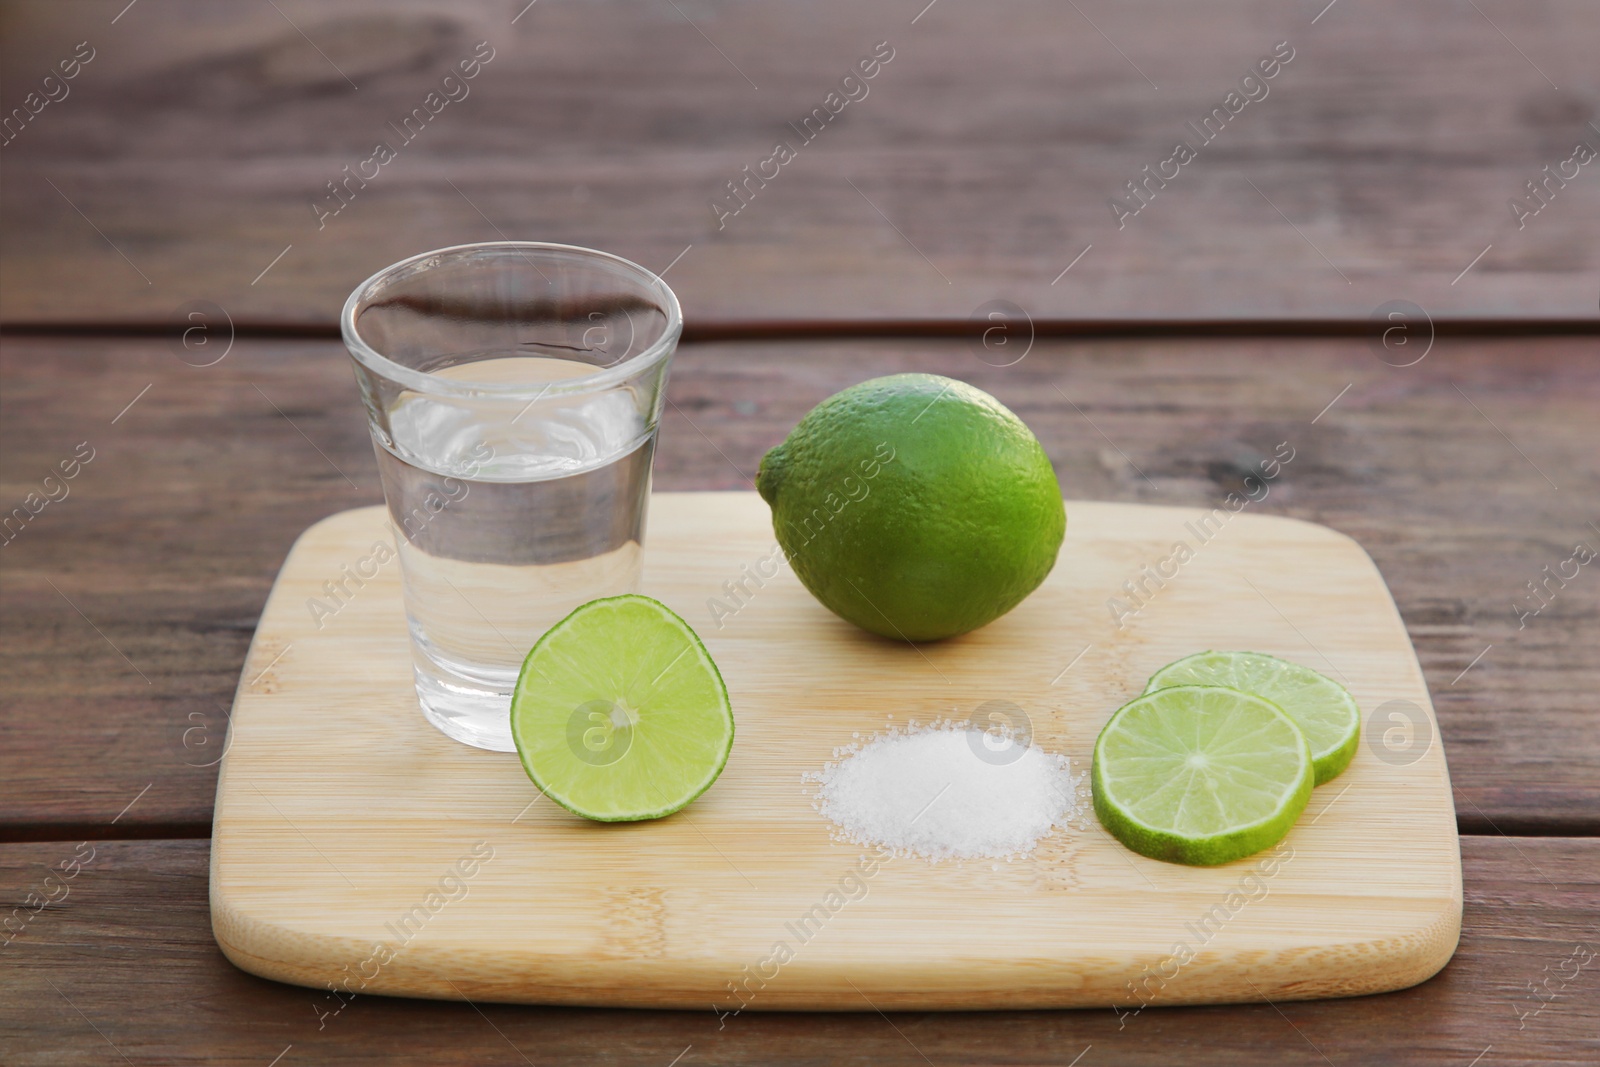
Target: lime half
{"type": "Point", "coordinates": [1323, 709]}
{"type": "Point", "coordinates": [620, 714]}
{"type": "Point", "coordinates": [1200, 774]}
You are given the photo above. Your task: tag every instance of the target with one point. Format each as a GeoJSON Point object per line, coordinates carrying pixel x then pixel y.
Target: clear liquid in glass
{"type": "Point", "coordinates": [505, 522]}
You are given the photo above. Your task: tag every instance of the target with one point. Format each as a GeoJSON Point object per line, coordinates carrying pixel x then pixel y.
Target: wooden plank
{"type": "Point", "coordinates": [981, 163]}
{"type": "Point", "coordinates": [126, 959]}
{"type": "Point", "coordinates": [1353, 900]}
{"type": "Point", "coordinates": [172, 533]}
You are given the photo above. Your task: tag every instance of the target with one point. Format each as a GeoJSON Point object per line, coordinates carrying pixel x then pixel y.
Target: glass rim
{"type": "Point", "coordinates": [421, 381]}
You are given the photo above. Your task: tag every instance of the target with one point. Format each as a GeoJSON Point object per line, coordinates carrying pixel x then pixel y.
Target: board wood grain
{"type": "Point", "coordinates": [980, 164]}
{"type": "Point", "coordinates": [355, 846]}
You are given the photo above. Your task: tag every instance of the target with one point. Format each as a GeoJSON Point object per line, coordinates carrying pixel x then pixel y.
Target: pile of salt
{"type": "Point", "coordinates": [943, 792]}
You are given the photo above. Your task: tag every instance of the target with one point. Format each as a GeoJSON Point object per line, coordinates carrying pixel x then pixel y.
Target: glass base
{"type": "Point", "coordinates": [474, 710]}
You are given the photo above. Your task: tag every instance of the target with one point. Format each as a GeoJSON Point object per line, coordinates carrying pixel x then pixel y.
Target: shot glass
{"type": "Point", "coordinates": [513, 391]}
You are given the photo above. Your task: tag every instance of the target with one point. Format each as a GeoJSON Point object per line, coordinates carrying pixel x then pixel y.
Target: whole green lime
{"type": "Point", "coordinates": [915, 506]}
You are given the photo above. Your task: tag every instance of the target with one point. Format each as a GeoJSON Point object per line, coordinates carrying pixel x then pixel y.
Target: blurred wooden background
{"type": "Point", "coordinates": [1246, 303]}
{"type": "Point", "coordinates": [980, 163]}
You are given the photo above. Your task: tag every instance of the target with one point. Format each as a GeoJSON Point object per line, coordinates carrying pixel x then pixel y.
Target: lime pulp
{"type": "Point", "coordinates": [619, 713]}
{"type": "Point", "coordinates": [1200, 775]}
{"type": "Point", "coordinates": [1323, 709]}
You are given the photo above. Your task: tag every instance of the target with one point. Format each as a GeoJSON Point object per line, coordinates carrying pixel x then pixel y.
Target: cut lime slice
{"type": "Point", "coordinates": [1200, 774]}
{"type": "Point", "coordinates": [1323, 709]}
{"type": "Point", "coordinates": [620, 714]}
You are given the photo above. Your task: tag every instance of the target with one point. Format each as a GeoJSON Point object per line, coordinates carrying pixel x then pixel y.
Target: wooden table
{"type": "Point", "coordinates": [184, 168]}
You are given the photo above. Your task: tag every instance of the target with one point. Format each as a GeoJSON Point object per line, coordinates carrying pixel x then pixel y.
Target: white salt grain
{"type": "Point", "coordinates": [947, 791]}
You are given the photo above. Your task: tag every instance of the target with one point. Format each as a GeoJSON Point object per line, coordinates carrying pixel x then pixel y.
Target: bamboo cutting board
{"type": "Point", "coordinates": [357, 849]}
